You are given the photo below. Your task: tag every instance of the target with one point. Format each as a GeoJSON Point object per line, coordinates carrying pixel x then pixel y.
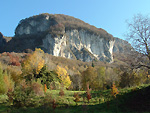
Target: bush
{"type": "Point", "coordinates": [27, 95]}
{"type": "Point", "coordinates": [14, 60]}
{"type": "Point", "coordinates": [37, 89]}
{"type": "Point", "coordinates": [3, 98]}
{"type": "Point", "coordinates": [15, 74]}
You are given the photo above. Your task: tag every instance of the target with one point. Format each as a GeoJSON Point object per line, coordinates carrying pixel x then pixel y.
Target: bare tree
{"type": "Point", "coordinates": [139, 35]}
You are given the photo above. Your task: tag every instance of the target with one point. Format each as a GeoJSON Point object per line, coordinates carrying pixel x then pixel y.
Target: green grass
{"type": "Point", "coordinates": [101, 102]}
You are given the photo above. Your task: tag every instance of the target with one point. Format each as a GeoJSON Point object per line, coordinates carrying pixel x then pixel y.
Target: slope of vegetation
{"type": "Point", "coordinates": [38, 82]}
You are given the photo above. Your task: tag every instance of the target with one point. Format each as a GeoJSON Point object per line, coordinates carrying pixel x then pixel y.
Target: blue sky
{"type": "Point", "coordinates": [107, 14]}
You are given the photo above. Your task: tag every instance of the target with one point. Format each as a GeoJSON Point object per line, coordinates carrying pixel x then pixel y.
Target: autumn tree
{"type": "Point", "coordinates": [6, 82]}
{"type": "Point", "coordinates": [89, 76]}
{"type": "Point", "coordinates": [14, 73]}
{"type": "Point", "coordinates": [32, 65]}
{"type": "Point", "coordinates": [132, 78]}
{"type": "Point", "coordinates": [111, 76]}
{"type": "Point", "coordinates": [76, 79]}
{"type": "Point", "coordinates": [14, 60]}
{"type": "Point", "coordinates": [114, 91]}
{"type": "Point", "coordinates": [101, 71]}
{"type": "Point", "coordinates": [63, 76]}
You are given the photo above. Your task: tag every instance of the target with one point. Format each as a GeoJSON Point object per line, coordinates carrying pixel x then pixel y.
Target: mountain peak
{"type": "Point", "coordinates": [65, 36]}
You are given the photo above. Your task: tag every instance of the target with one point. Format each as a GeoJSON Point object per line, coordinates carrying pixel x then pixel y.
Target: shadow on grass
{"type": "Point", "coordinates": [71, 109]}
{"type": "Point", "coordinates": [108, 107]}
{"type": "Point", "coordinates": [137, 100]}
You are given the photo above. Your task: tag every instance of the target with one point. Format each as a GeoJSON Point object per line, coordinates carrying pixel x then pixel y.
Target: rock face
{"type": "Point", "coordinates": [2, 40]}
{"type": "Point", "coordinates": [66, 36]}
{"type": "Point", "coordinates": [80, 45]}
{"type": "Point", "coordinates": [121, 46]}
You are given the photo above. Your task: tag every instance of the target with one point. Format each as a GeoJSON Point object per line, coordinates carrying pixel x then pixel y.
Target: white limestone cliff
{"type": "Point", "coordinates": [75, 40]}
{"type": "Point", "coordinates": [73, 43]}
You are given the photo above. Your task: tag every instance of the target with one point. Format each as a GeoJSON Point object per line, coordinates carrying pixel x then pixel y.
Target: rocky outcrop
{"type": "Point", "coordinates": [121, 46]}
{"type": "Point", "coordinates": [62, 35]}
{"type": "Point", "coordinates": [80, 45]}
{"type": "Point", "coordinates": [2, 40]}
{"type": "Point", "coordinates": [78, 40]}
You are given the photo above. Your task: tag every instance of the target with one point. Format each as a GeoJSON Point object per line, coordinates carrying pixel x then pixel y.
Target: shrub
{"type": "Point", "coordinates": [88, 90]}
{"type": "Point", "coordinates": [61, 93]}
{"type": "Point", "coordinates": [14, 60]}
{"type": "Point", "coordinates": [77, 97]}
{"type": "Point", "coordinates": [27, 95]}
{"type": "Point", "coordinates": [54, 105]}
{"type": "Point", "coordinates": [37, 89]}
{"type": "Point", "coordinates": [14, 73]}
{"type": "Point", "coordinates": [3, 98]}
{"type": "Point", "coordinates": [45, 88]}
{"type": "Point", "coordinates": [114, 91]}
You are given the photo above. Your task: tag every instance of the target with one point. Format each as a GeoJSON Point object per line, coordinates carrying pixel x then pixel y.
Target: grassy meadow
{"type": "Point", "coordinates": [127, 100]}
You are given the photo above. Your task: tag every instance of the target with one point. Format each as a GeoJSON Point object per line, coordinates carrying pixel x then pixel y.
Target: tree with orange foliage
{"type": "Point", "coordinates": [14, 60]}
{"type": "Point", "coordinates": [45, 88]}
{"type": "Point", "coordinates": [114, 91]}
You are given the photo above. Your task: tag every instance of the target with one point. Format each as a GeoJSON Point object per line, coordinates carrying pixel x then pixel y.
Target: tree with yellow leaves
{"type": "Point", "coordinates": [33, 63]}
{"type": "Point", "coordinates": [6, 82]}
{"type": "Point", "coordinates": [63, 76]}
